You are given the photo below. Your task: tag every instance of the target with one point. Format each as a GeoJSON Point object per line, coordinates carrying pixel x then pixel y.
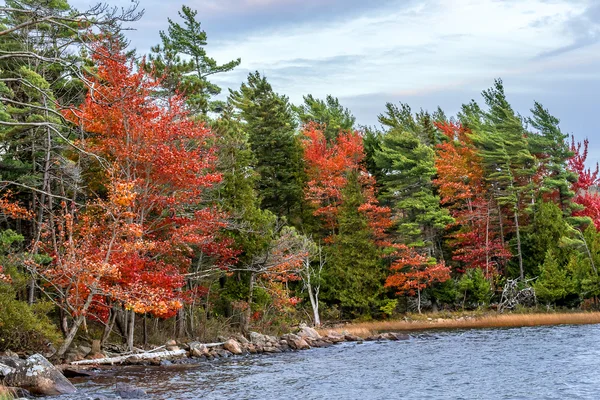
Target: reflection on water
{"type": "Point", "coordinates": [521, 363]}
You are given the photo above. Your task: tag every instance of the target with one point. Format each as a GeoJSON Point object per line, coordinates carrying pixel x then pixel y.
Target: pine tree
{"type": "Point", "coordinates": [507, 162]}
{"type": "Point", "coordinates": [552, 152]}
{"type": "Point", "coordinates": [407, 172]}
{"type": "Point", "coordinates": [270, 125]}
{"type": "Point", "coordinates": [354, 275]}
{"type": "Point", "coordinates": [553, 284]}
{"type": "Point", "coordinates": [329, 113]}
{"type": "Point", "coordinates": [189, 77]}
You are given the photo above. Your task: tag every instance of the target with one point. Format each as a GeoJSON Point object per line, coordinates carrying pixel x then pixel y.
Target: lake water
{"type": "Point", "coordinates": [560, 362]}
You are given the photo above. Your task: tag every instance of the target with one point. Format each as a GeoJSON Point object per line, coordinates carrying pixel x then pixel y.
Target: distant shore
{"type": "Point", "coordinates": [465, 321]}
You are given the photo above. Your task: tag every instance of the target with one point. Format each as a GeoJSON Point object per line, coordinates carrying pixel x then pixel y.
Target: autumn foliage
{"type": "Point", "coordinates": [476, 240]}
{"type": "Point", "coordinates": [586, 194]}
{"type": "Point", "coordinates": [135, 246]}
{"type": "Point", "coordinates": [329, 166]}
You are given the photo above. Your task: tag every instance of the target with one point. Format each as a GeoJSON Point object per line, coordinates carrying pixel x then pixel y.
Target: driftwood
{"type": "Point", "coordinates": [516, 293]}
{"type": "Point", "coordinates": [141, 356]}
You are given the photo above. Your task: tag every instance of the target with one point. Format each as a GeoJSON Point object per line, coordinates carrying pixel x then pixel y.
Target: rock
{"type": "Point", "coordinates": [198, 350]}
{"type": "Point", "coordinates": [258, 339]}
{"type": "Point", "coordinates": [233, 346]}
{"type": "Point", "coordinates": [34, 374]}
{"type": "Point", "coordinates": [84, 350]}
{"type": "Point", "coordinates": [171, 345]}
{"type": "Point", "coordinates": [306, 331]}
{"type": "Point", "coordinates": [9, 353]}
{"type": "Point", "coordinates": [402, 336]}
{"type": "Point", "coordinates": [335, 337]}
{"type": "Point", "coordinates": [272, 349]}
{"type": "Point", "coordinates": [388, 336]}
{"type": "Point", "coordinates": [126, 391]}
{"type": "Point", "coordinates": [352, 338]}
{"type": "Point", "coordinates": [251, 348]}
{"type": "Point", "coordinates": [165, 363]}
{"type": "Point", "coordinates": [241, 339]}
{"type": "Point", "coordinates": [223, 353]}
{"type": "Point", "coordinates": [298, 343]}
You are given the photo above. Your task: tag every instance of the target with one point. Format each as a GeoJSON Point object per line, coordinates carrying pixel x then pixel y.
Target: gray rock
{"type": "Point", "coordinates": [34, 374]}
{"type": "Point", "coordinates": [126, 391]}
{"type": "Point", "coordinates": [258, 339]}
{"type": "Point", "coordinates": [241, 339]}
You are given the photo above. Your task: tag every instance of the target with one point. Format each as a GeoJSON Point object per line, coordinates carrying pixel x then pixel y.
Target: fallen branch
{"type": "Point", "coordinates": [136, 357]}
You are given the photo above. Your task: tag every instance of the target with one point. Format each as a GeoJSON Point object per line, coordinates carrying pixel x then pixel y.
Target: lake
{"type": "Point", "coordinates": [560, 362]}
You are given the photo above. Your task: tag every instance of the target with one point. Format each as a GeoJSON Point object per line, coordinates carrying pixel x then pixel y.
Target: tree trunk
{"type": "Point", "coordinates": [181, 318]}
{"type": "Point", "coordinates": [131, 330]}
{"type": "Point", "coordinates": [521, 271]}
{"type": "Point", "coordinates": [419, 300]}
{"type": "Point", "coordinates": [109, 327]}
{"type": "Point", "coordinates": [314, 302]}
{"type": "Point", "coordinates": [70, 336]}
{"type": "Point", "coordinates": [248, 316]}
{"type": "Point", "coordinates": [145, 330]}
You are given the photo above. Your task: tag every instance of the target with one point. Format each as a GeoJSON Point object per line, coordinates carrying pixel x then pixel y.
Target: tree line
{"type": "Point", "coordinates": [129, 191]}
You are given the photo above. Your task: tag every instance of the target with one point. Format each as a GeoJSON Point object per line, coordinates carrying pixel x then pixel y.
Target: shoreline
{"type": "Point", "coordinates": [464, 321]}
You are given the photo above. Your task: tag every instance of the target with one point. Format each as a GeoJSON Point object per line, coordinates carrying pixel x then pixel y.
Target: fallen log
{"type": "Point", "coordinates": [122, 359]}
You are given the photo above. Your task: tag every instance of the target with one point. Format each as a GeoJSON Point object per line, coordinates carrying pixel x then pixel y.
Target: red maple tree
{"type": "Point", "coordinates": [412, 272]}
{"type": "Point", "coordinates": [586, 187]}
{"type": "Point", "coordinates": [477, 243]}
{"type": "Point", "coordinates": [158, 166]}
{"type": "Point", "coordinates": [329, 166]}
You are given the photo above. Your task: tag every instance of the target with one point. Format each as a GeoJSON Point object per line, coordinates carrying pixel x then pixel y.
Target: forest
{"type": "Point", "coordinates": [138, 202]}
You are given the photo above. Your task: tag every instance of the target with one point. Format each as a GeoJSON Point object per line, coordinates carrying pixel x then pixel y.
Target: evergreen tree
{"type": "Point", "coordinates": [421, 124]}
{"type": "Point", "coordinates": [329, 113]}
{"type": "Point", "coordinates": [270, 125]}
{"type": "Point", "coordinates": [354, 274]}
{"type": "Point", "coordinates": [190, 76]}
{"type": "Point", "coordinates": [551, 148]}
{"type": "Point", "coordinates": [407, 167]}
{"type": "Point", "coordinates": [546, 231]}
{"type": "Point", "coordinates": [507, 162]}
{"type": "Point", "coordinates": [553, 284]}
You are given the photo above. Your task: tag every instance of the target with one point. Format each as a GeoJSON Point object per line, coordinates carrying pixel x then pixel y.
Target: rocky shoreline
{"type": "Point", "coordinates": [35, 375]}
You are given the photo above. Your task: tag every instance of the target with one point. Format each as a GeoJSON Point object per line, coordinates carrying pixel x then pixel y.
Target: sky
{"type": "Point", "coordinates": [426, 53]}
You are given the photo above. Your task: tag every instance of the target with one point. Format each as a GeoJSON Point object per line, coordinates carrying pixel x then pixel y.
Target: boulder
{"type": "Point", "coordinates": [171, 345]}
{"type": "Point", "coordinates": [258, 339]}
{"type": "Point", "coordinates": [306, 331]}
{"type": "Point", "coordinates": [251, 348]}
{"type": "Point", "coordinates": [223, 353]}
{"type": "Point", "coordinates": [34, 374]}
{"type": "Point", "coordinates": [272, 349]}
{"type": "Point", "coordinates": [198, 349]}
{"type": "Point", "coordinates": [298, 344]}
{"type": "Point", "coordinates": [335, 337]}
{"type": "Point", "coordinates": [241, 339]}
{"type": "Point", "coordinates": [126, 391]}
{"type": "Point", "coordinates": [233, 346]}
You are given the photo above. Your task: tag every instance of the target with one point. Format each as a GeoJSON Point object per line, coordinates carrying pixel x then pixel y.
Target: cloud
{"type": "Point", "coordinates": [427, 51]}
{"type": "Point", "coordinates": [583, 28]}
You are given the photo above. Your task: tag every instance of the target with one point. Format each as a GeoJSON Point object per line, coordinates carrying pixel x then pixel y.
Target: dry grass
{"type": "Point", "coordinates": [365, 329]}
{"type": "Point", "coordinates": [6, 393]}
